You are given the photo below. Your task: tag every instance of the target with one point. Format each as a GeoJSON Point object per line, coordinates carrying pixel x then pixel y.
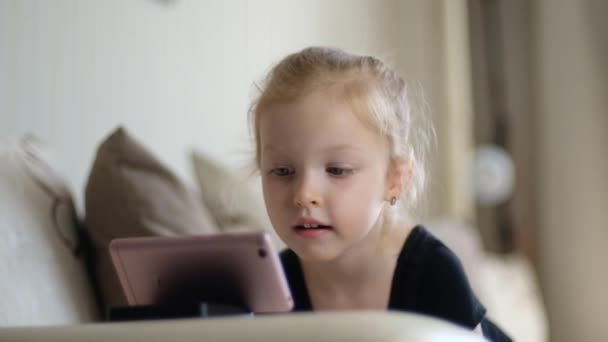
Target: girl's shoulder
{"type": "Point", "coordinates": [429, 279]}
{"type": "Point", "coordinates": [422, 248]}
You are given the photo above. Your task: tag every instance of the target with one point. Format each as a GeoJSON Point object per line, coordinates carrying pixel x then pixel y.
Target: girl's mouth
{"type": "Point", "coordinates": [312, 226]}
{"type": "Point", "coordinates": [312, 231]}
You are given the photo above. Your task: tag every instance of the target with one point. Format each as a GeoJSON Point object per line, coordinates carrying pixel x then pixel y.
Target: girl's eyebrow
{"type": "Point", "coordinates": [339, 147]}
{"type": "Point", "coordinates": [342, 147]}
{"type": "Point", "coordinates": [275, 151]}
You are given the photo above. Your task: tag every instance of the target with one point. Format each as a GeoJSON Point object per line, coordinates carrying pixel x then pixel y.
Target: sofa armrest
{"type": "Point", "coordinates": [343, 326]}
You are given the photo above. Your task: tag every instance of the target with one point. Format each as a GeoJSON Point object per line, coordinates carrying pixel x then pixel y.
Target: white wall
{"type": "Point", "coordinates": [572, 87]}
{"type": "Point", "coordinates": [179, 74]}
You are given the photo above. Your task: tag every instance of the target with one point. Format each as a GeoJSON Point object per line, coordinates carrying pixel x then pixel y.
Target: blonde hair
{"type": "Point", "coordinates": [378, 95]}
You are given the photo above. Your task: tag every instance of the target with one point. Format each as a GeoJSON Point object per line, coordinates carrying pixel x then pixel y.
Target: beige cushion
{"type": "Point", "coordinates": [510, 291]}
{"type": "Point", "coordinates": [230, 198]}
{"type": "Point", "coordinates": [43, 281]}
{"type": "Point", "coordinates": [130, 193]}
{"type": "Point", "coordinates": [361, 326]}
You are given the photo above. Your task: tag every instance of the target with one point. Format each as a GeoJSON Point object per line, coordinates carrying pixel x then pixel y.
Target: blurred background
{"type": "Point", "coordinates": [517, 90]}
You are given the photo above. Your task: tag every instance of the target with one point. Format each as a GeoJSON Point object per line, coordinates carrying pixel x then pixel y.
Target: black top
{"type": "Point", "coordinates": [428, 279]}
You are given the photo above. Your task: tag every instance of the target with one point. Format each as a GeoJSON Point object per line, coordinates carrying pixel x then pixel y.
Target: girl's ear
{"type": "Point", "coordinates": [399, 178]}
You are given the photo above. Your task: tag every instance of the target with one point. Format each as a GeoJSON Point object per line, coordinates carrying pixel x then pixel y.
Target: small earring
{"type": "Point", "coordinates": [393, 200]}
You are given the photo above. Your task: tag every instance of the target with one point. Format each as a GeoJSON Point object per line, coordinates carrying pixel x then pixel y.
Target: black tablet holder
{"type": "Point", "coordinates": [199, 296]}
{"type": "Point", "coordinates": [174, 311]}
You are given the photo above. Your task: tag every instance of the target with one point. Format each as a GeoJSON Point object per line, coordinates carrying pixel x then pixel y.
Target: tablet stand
{"type": "Point", "coordinates": [148, 312]}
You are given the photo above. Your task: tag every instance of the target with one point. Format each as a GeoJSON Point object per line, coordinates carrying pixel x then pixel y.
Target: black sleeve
{"type": "Point", "coordinates": [492, 332]}
{"type": "Point", "coordinates": [295, 280]}
{"type": "Point", "coordinates": [445, 290]}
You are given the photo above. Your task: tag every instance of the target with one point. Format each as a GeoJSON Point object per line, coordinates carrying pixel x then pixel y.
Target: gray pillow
{"type": "Point", "coordinates": [130, 193]}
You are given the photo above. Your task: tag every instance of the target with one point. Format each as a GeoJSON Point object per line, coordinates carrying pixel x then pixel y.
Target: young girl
{"type": "Point", "coordinates": [333, 138]}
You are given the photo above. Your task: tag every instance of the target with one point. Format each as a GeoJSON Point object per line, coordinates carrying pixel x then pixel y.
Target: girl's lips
{"type": "Point", "coordinates": [306, 220]}
{"type": "Point", "coordinates": [310, 227]}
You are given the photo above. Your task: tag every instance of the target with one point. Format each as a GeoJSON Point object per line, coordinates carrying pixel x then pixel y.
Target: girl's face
{"type": "Point", "coordinates": [322, 166]}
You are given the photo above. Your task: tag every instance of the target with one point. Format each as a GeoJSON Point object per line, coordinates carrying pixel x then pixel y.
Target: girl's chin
{"type": "Point", "coordinates": [308, 254]}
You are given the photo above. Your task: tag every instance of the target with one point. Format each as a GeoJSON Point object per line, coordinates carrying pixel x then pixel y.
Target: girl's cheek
{"type": "Point", "coordinates": [275, 190]}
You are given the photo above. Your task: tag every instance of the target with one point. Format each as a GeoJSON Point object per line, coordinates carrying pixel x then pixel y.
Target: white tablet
{"type": "Point", "coordinates": [227, 269]}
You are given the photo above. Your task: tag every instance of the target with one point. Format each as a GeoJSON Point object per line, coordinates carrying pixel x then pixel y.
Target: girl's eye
{"type": "Point", "coordinates": [339, 171]}
{"type": "Point", "coordinates": [282, 171]}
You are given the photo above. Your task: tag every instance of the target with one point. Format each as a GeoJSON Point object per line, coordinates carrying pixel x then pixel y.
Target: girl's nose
{"type": "Point", "coordinates": [306, 195]}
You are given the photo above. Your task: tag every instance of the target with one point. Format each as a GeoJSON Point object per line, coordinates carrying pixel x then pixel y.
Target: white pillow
{"type": "Point", "coordinates": [230, 198]}
{"type": "Point", "coordinates": [43, 282]}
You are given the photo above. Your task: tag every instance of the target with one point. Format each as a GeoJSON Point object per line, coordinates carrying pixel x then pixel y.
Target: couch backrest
{"type": "Point", "coordinates": [42, 280]}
